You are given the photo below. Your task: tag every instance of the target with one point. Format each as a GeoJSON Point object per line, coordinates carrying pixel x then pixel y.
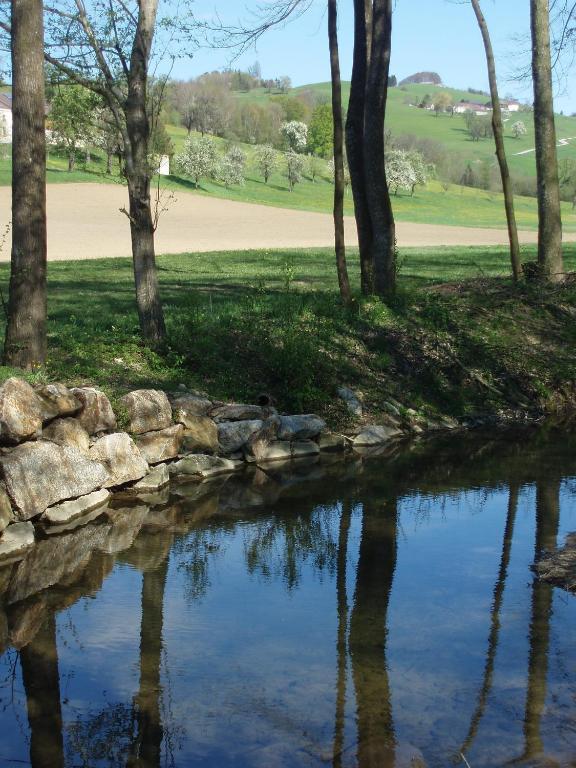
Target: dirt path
{"type": "Point", "coordinates": [84, 222]}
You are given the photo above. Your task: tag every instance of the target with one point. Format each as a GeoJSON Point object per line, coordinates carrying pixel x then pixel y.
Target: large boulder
{"type": "Point", "coordinates": [239, 412]}
{"type": "Point", "coordinates": [148, 410]}
{"type": "Point", "coordinates": [376, 435]}
{"type": "Point", "coordinates": [6, 515]}
{"type": "Point", "coordinates": [202, 466]}
{"type": "Point", "coordinates": [67, 511]}
{"type": "Point", "coordinates": [121, 457]}
{"type": "Point", "coordinates": [301, 448]}
{"type": "Point", "coordinates": [57, 400]}
{"type": "Point", "coordinates": [332, 442]}
{"type": "Point", "coordinates": [257, 447]}
{"type": "Point", "coordinates": [20, 412]}
{"type": "Point", "coordinates": [42, 473]}
{"type": "Point", "coordinates": [16, 540]}
{"type": "Point", "coordinates": [186, 407]}
{"type": "Point", "coordinates": [162, 445]}
{"type": "Point", "coordinates": [233, 435]}
{"type": "Point", "coordinates": [157, 478]}
{"type": "Point", "coordinates": [67, 431]}
{"type": "Point", "coordinates": [96, 414]}
{"type": "Point", "coordinates": [200, 435]}
{"type": "Point", "coordinates": [300, 427]}
{"type": "Point", "coordinates": [352, 401]}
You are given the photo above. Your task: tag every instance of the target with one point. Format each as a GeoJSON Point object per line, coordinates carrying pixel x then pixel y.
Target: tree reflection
{"type": "Point", "coordinates": [341, 650]}
{"type": "Point", "coordinates": [494, 635]}
{"type": "Point", "coordinates": [369, 634]}
{"type": "Point", "coordinates": [41, 679]}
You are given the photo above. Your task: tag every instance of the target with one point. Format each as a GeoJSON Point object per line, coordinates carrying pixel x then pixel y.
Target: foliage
{"type": "Point", "coordinates": [296, 135]}
{"type": "Point", "coordinates": [519, 129]}
{"type": "Point", "coordinates": [479, 127]}
{"type": "Point", "coordinates": [71, 122]}
{"type": "Point", "coordinates": [321, 131]}
{"type": "Point", "coordinates": [266, 161]}
{"type": "Point", "coordinates": [294, 168]}
{"type": "Point", "coordinates": [198, 159]}
{"type": "Point", "coordinates": [406, 170]}
{"type": "Point", "coordinates": [231, 166]}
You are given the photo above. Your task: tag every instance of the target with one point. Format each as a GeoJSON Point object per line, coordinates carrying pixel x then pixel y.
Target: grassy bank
{"type": "Point", "coordinates": [243, 323]}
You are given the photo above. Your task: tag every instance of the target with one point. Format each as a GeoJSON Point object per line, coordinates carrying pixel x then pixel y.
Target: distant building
{"type": "Point", "coordinates": [5, 118]}
{"type": "Point", "coordinates": [511, 105]}
{"type": "Point", "coordinates": [470, 106]}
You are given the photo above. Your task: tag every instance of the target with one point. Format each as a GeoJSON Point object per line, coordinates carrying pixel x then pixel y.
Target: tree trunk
{"type": "Point", "coordinates": [355, 139]}
{"type": "Point", "coordinates": [498, 128]}
{"type": "Point", "coordinates": [341, 650]}
{"type": "Point", "coordinates": [549, 217]}
{"type": "Point", "coordinates": [378, 194]}
{"type": "Point", "coordinates": [108, 162]}
{"type": "Point", "coordinates": [71, 161]}
{"type": "Point", "coordinates": [25, 342]}
{"type": "Point", "coordinates": [339, 241]}
{"type": "Point", "coordinates": [148, 300]}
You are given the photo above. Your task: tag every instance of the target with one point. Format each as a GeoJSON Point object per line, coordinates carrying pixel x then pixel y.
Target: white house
{"type": "Point", "coordinates": [470, 106]}
{"type": "Point", "coordinates": [5, 118]}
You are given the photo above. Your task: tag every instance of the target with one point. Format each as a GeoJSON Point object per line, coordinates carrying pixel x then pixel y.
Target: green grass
{"type": "Point", "coordinates": [244, 322]}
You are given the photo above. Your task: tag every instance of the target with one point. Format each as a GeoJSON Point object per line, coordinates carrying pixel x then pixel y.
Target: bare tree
{"type": "Point", "coordinates": [107, 48]}
{"type": "Point", "coordinates": [549, 217]}
{"type": "Point", "coordinates": [339, 181]}
{"type": "Point", "coordinates": [498, 129]}
{"type": "Point", "coordinates": [25, 343]}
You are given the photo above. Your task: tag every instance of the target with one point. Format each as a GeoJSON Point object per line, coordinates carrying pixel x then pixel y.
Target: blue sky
{"type": "Point", "coordinates": [437, 35]}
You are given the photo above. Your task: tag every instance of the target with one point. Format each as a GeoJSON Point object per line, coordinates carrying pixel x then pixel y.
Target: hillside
{"type": "Point", "coordinates": [450, 132]}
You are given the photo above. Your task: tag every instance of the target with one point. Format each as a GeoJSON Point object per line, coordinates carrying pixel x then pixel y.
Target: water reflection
{"type": "Point", "coordinates": [269, 620]}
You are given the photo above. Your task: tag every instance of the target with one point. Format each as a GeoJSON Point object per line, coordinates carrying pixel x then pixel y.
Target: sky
{"type": "Point", "coordinates": [437, 35]}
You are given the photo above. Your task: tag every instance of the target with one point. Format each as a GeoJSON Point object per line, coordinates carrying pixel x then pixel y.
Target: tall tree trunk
{"type": "Point", "coordinates": [378, 194]}
{"type": "Point", "coordinates": [549, 217]}
{"type": "Point", "coordinates": [148, 300]}
{"type": "Point", "coordinates": [498, 129]}
{"type": "Point", "coordinates": [355, 139]}
{"type": "Point", "coordinates": [339, 185]}
{"type": "Point", "coordinates": [41, 680]}
{"type": "Point", "coordinates": [25, 342]}
{"type": "Point", "coordinates": [369, 634]}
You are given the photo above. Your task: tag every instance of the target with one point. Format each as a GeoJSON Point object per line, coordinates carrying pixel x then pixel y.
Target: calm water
{"type": "Point", "coordinates": [377, 613]}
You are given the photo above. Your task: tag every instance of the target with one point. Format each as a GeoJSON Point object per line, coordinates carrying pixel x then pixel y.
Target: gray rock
{"type": "Point", "coordinates": [376, 435]}
{"type": "Point", "coordinates": [121, 457]}
{"type": "Point", "coordinates": [281, 450]}
{"type": "Point", "coordinates": [16, 540]}
{"type": "Point", "coordinates": [96, 414]}
{"type": "Point", "coordinates": [68, 511]}
{"type": "Point", "coordinates": [352, 401]}
{"type": "Point", "coordinates": [301, 427]}
{"type": "Point", "coordinates": [186, 407]}
{"type": "Point", "coordinates": [40, 474]}
{"type": "Point", "coordinates": [559, 567]}
{"type": "Point", "coordinates": [57, 400]}
{"type": "Point", "coordinates": [301, 448]}
{"type": "Point", "coordinates": [160, 446]}
{"type": "Point", "coordinates": [6, 514]}
{"type": "Point", "coordinates": [67, 431]}
{"type": "Point", "coordinates": [233, 435]}
{"type": "Point", "coordinates": [77, 523]}
{"type": "Point", "coordinates": [332, 443]}
{"type": "Point", "coordinates": [200, 434]}
{"type": "Point", "coordinates": [392, 409]}
{"type": "Point", "coordinates": [202, 466]}
{"type": "Point", "coordinates": [149, 410]}
{"type": "Point", "coordinates": [157, 478]}
{"type": "Point", "coordinates": [259, 442]}
{"type": "Point", "coordinates": [239, 412]}
{"type": "Point", "coordinates": [20, 412]}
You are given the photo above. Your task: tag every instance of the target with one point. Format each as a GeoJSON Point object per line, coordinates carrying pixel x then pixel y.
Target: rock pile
{"type": "Point", "coordinates": [62, 454]}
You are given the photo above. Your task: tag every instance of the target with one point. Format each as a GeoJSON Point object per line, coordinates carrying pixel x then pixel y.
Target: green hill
{"type": "Point", "coordinates": [450, 132]}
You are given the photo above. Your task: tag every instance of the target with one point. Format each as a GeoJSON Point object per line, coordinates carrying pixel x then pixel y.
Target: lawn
{"type": "Point", "coordinates": [245, 322]}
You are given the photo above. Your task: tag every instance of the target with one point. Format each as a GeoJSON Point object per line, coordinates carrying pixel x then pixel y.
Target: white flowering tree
{"type": "Point", "coordinates": [519, 129]}
{"type": "Point", "coordinates": [296, 135]}
{"type": "Point", "coordinates": [332, 171]}
{"type": "Point", "coordinates": [266, 161]}
{"type": "Point", "coordinates": [231, 167]}
{"type": "Point", "coordinates": [294, 168]}
{"type": "Point", "coordinates": [400, 172]}
{"type": "Point", "coordinates": [422, 171]}
{"type": "Point", "coordinates": [198, 159]}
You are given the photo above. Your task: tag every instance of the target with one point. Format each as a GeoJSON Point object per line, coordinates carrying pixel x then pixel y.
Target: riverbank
{"type": "Point", "coordinates": [459, 340]}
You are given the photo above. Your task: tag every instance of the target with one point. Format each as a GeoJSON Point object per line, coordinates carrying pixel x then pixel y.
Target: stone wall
{"type": "Point", "coordinates": [62, 455]}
